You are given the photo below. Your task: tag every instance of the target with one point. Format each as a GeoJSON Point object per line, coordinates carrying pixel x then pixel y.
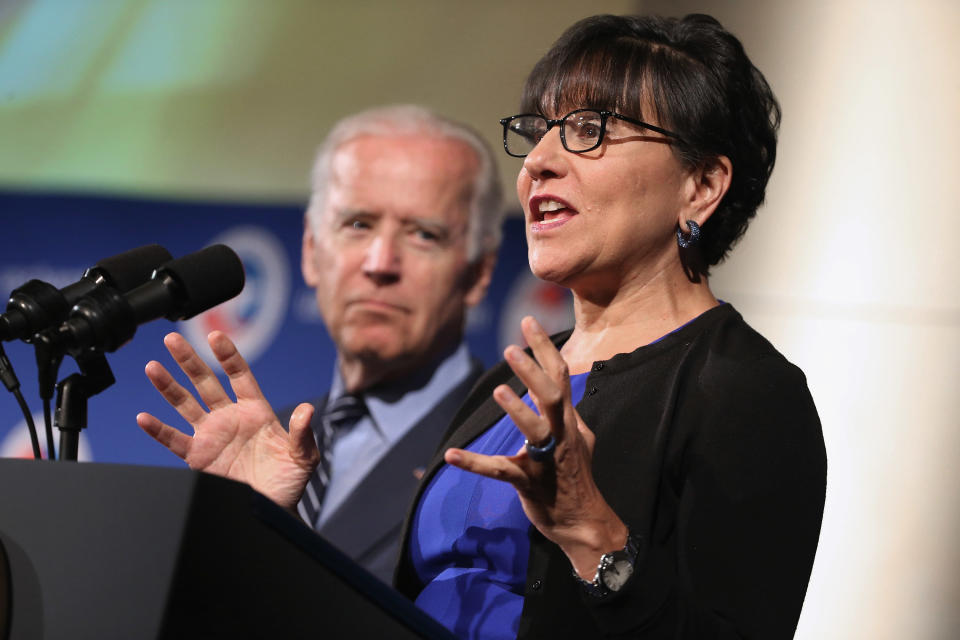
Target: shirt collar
{"type": "Point", "coordinates": [396, 406]}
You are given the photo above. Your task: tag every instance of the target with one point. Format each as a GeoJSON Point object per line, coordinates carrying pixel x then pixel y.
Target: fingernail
{"type": "Point", "coordinates": [514, 354]}
{"type": "Point", "coordinates": [453, 457]}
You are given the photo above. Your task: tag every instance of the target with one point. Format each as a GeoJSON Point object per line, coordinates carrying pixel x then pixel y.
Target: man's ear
{"type": "Point", "coordinates": [307, 265]}
{"type": "Point", "coordinates": [705, 189]}
{"type": "Point", "coordinates": [478, 277]}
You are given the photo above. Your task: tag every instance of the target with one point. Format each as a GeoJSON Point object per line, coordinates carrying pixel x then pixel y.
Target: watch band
{"type": "Point", "coordinates": [593, 587]}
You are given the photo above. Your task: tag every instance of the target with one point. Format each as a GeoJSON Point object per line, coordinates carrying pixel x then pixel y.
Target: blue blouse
{"type": "Point", "coordinates": [469, 541]}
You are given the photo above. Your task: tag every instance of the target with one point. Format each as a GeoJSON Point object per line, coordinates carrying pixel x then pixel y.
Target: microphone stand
{"type": "Point", "coordinates": [48, 364]}
{"type": "Point", "coordinates": [73, 392]}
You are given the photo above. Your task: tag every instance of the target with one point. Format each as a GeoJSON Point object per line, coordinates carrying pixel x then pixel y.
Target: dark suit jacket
{"type": "Point", "coordinates": [368, 524]}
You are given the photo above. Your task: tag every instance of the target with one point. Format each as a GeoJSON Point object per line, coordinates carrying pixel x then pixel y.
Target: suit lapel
{"type": "Point", "coordinates": [371, 516]}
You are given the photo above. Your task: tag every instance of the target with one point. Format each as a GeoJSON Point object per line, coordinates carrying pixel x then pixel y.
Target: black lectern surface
{"type": "Point", "coordinates": [113, 551]}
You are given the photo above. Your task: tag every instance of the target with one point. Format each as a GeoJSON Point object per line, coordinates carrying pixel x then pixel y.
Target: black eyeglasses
{"type": "Point", "coordinates": [582, 130]}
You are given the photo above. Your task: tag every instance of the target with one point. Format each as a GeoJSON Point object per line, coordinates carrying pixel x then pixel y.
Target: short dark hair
{"type": "Point", "coordinates": [695, 77]}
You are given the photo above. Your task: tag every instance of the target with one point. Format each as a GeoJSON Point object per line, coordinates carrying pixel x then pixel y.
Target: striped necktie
{"type": "Point", "coordinates": [339, 414]}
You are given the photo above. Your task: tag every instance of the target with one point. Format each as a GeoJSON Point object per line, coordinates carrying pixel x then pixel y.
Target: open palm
{"type": "Point", "coordinates": [239, 439]}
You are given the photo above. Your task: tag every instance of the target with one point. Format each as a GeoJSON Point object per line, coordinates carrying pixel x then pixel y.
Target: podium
{"type": "Point", "coordinates": [113, 551]}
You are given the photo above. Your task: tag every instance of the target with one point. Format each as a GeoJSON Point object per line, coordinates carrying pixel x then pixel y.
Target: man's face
{"type": "Point", "coordinates": [389, 257]}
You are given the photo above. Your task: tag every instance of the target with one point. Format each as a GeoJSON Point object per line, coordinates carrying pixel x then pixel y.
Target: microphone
{"type": "Point", "coordinates": [38, 305]}
{"type": "Point", "coordinates": [179, 289]}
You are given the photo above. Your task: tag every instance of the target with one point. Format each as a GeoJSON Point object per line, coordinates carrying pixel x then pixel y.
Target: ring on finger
{"type": "Point", "coordinates": [543, 452]}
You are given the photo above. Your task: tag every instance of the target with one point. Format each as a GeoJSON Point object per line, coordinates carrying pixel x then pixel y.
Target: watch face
{"type": "Point", "coordinates": [616, 571]}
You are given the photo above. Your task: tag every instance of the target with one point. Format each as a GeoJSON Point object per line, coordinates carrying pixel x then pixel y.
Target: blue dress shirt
{"type": "Point", "coordinates": [390, 416]}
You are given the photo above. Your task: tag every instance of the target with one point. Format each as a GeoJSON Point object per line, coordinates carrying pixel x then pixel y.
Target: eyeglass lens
{"type": "Point", "coordinates": [582, 131]}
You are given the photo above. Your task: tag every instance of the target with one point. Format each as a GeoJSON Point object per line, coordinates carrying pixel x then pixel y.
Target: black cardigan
{"type": "Point", "coordinates": [709, 447]}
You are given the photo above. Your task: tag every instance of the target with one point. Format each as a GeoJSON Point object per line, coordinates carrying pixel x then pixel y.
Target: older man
{"type": "Point", "coordinates": [400, 239]}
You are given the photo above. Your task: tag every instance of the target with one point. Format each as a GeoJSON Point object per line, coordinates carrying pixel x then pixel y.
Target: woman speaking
{"type": "Point", "coordinates": [670, 460]}
{"type": "Point", "coordinates": [659, 470]}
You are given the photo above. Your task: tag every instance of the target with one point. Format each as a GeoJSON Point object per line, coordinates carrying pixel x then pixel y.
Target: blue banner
{"type": "Point", "coordinates": [274, 321]}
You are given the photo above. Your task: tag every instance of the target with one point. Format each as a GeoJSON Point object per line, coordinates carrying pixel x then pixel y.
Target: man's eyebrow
{"type": "Point", "coordinates": [344, 214]}
{"type": "Point", "coordinates": [436, 224]}
{"type": "Point", "coordinates": [427, 222]}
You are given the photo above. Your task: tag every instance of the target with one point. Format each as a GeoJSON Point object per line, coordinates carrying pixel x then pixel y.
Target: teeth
{"type": "Point", "coordinates": [550, 205]}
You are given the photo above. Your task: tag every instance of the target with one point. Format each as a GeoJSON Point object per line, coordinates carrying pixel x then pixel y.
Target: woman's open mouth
{"type": "Point", "coordinates": [548, 212]}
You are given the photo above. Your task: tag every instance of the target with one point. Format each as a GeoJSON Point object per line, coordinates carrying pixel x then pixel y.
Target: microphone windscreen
{"type": "Point", "coordinates": [131, 269]}
{"type": "Point", "coordinates": [207, 278]}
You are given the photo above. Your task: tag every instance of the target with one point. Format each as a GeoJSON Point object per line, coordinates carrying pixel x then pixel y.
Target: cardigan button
{"type": "Point", "coordinates": [598, 366]}
{"type": "Point", "coordinates": [536, 585]}
{"type": "Point", "coordinates": [593, 391]}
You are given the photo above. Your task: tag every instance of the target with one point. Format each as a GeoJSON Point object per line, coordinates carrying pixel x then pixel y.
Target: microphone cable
{"type": "Point", "coordinates": [13, 385]}
{"type": "Point", "coordinates": [48, 429]}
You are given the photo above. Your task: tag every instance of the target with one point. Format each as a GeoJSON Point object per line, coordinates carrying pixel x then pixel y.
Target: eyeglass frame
{"type": "Point", "coordinates": [604, 115]}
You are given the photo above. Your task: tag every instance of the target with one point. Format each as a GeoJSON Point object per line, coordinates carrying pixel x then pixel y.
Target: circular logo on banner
{"type": "Point", "coordinates": [16, 442]}
{"type": "Point", "coordinates": [253, 318]}
{"type": "Point", "coordinates": [550, 304]}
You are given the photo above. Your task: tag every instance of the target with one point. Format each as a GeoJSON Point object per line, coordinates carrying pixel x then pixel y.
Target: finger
{"type": "Point", "coordinates": [201, 376]}
{"type": "Point", "coordinates": [236, 368]}
{"type": "Point", "coordinates": [303, 447]}
{"type": "Point", "coordinates": [555, 367]}
{"type": "Point", "coordinates": [534, 428]}
{"type": "Point", "coordinates": [174, 440]}
{"type": "Point", "coordinates": [178, 397]}
{"type": "Point", "coordinates": [545, 392]}
{"type": "Point", "coordinates": [545, 351]}
{"type": "Point", "coordinates": [494, 467]}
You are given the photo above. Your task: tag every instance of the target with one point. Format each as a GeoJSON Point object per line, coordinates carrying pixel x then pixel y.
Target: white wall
{"type": "Point", "coordinates": [852, 270]}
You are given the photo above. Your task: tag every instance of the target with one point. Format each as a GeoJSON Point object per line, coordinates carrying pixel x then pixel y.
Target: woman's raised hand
{"type": "Point", "coordinates": [240, 439]}
{"type": "Point", "coordinates": [558, 494]}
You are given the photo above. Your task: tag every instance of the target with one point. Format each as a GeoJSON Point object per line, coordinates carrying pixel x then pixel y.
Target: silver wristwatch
{"type": "Point", "coordinates": [614, 570]}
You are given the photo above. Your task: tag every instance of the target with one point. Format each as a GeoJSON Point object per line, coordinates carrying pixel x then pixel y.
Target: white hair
{"type": "Point", "coordinates": [486, 203]}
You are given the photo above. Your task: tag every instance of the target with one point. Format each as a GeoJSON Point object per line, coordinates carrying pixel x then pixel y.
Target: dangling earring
{"type": "Point", "coordinates": [688, 240]}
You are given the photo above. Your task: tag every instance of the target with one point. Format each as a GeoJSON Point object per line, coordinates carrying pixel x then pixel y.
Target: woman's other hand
{"type": "Point", "coordinates": [239, 439]}
{"type": "Point", "coordinates": [558, 494]}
